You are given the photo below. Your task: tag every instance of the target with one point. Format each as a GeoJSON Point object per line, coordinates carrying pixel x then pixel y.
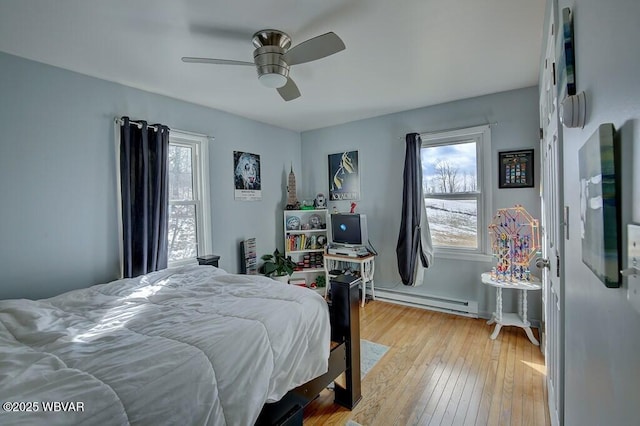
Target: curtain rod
{"type": "Point", "coordinates": [120, 122]}
{"type": "Point", "coordinates": [492, 124]}
{"type": "Point", "coordinates": [138, 124]}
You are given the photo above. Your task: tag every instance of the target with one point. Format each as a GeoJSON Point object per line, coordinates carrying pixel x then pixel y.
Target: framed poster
{"type": "Point", "coordinates": [515, 169]}
{"type": "Point", "coordinates": [248, 186]}
{"type": "Point", "coordinates": [344, 178]}
{"type": "Point", "coordinates": [566, 61]}
{"type": "Point", "coordinates": [599, 228]}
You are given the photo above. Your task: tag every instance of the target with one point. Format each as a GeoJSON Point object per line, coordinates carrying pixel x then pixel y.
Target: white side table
{"type": "Point", "coordinates": [519, 319]}
{"type": "Point", "coordinates": [366, 265]}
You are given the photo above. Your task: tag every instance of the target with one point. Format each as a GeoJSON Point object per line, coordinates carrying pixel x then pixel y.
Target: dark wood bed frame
{"type": "Point", "coordinates": [343, 358]}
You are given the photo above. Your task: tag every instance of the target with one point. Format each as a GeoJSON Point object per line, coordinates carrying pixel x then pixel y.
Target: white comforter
{"type": "Point", "coordinates": [188, 346]}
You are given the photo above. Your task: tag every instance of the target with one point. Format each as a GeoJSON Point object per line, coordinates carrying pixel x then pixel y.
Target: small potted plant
{"type": "Point", "coordinates": [277, 266]}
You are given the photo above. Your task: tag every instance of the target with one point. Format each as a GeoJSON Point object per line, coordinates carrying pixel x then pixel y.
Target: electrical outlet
{"type": "Point", "coordinates": [633, 266]}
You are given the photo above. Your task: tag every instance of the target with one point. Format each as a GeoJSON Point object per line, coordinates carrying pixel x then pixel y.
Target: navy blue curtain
{"type": "Point", "coordinates": [145, 196]}
{"type": "Point", "coordinates": [414, 240]}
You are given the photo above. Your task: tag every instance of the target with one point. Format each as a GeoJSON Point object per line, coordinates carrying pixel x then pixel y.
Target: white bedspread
{"type": "Point", "coordinates": [187, 346]}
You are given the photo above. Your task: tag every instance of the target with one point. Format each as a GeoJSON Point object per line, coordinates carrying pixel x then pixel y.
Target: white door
{"type": "Point", "coordinates": [551, 225]}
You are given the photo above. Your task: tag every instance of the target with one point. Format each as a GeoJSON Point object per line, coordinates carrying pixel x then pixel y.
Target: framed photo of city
{"type": "Point", "coordinates": [344, 176]}
{"type": "Point", "coordinates": [516, 169]}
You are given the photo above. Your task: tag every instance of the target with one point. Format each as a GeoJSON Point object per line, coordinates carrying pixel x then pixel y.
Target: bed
{"type": "Point", "coordinates": [189, 345]}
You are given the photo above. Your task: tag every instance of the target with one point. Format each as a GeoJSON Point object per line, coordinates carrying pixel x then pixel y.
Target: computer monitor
{"type": "Point", "coordinates": [349, 229]}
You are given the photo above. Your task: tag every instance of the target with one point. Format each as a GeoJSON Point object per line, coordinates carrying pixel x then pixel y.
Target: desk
{"type": "Point", "coordinates": [519, 319]}
{"type": "Point", "coordinates": [366, 267]}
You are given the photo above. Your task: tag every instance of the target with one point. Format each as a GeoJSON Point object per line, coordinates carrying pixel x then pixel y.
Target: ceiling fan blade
{"type": "Point", "coordinates": [215, 61]}
{"type": "Point", "coordinates": [315, 48]}
{"type": "Point", "coordinates": [289, 91]}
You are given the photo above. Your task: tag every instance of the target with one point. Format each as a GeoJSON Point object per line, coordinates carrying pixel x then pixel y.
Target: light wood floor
{"type": "Point", "coordinates": [442, 369]}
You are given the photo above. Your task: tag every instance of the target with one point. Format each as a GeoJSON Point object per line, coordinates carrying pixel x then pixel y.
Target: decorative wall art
{"type": "Point", "coordinates": [566, 62]}
{"type": "Point", "coordinates": [516, 169]}
{"type": "Point", "coordinates": [599, 226]}
{"type": "Point", "coordinates": [344, 178]}
{"type": "Point", "coordinates": [248, 186]}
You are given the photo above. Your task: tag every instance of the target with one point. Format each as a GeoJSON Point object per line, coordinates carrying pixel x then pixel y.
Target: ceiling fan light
{"type": "Point", "coordinates": [273, 80]}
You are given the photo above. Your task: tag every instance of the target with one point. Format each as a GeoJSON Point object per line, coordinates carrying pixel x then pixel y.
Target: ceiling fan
{"type": "Point", "coordinates": [273, 58]}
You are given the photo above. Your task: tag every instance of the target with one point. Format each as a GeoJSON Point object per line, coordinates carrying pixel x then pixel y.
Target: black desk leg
{"type": "Point", "coordinates": [345, 301]}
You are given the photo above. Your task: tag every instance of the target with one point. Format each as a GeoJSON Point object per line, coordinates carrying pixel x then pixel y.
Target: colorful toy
{"type": "Point", "coordinates": [515, 237]}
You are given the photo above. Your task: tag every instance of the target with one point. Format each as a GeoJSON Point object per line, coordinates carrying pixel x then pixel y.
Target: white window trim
{"type": "Point", "coordinates": [201, 190]}
{"type": "Point", "coordinates": [482, 136]}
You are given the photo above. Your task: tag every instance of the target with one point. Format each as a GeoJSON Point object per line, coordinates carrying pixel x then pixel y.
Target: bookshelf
{"type": "Point", "coordinates": [305, 238]}
{"type": "Point", "coordinates": [249, 263]}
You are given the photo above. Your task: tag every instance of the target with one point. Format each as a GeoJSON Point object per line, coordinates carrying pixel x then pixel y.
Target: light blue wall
{"type": "Point", "coordinates": [601, 329]}
{"type": "Point", "coordinates": [380, 145]}
{"type": "Point", "coordinates": [58, 228]}
{"type": "Point", "coordinates": [57, 176]}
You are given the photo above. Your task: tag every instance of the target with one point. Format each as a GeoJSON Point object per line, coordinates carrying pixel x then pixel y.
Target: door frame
{"type": "Point", "coordinates": [551, 197]}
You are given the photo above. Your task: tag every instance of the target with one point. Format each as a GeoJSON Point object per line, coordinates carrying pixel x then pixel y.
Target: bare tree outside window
{"type": "Point", "coordinates": [180, 173]}
{"type": "Point", "coordinates": [451, 198]}
{"type": "Point", "coordinates": [189, 223]}
{"type": "Point", "coordinates": [470, 182]}
{"type": "Point", "coordinates": [446, 176]}
{"type": "Point", "coordinates": [183, 242]}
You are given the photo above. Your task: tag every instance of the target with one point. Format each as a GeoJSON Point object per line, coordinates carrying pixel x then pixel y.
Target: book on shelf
{"type": "Point", "coordinates": [300, 242]}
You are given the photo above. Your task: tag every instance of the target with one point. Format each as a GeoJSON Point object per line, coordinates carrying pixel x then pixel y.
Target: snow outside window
{"type": "Point", "coordinates": [456, 194]}
{"type": "Point", "coordinates": [188, 235]}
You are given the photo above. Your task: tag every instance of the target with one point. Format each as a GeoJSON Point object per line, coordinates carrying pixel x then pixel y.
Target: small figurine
{"type": "Point", "coordinates": [320, 202]}
{"type": "Point", "coordinates": [353, 208]}
{"type": "Point", "coordinates": [307, 205]}
{"type": "Point", "coordinates": [315, 222]}
{"type": "Point", "coordinates": [293, 223]}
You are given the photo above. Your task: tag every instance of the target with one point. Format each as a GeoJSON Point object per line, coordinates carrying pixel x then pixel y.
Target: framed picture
{"type": "Point", "coordinates": [599, 226]}
{"type": "Point", "coordinates": [248, 186]}
{"type": "Point", "coordinates": [566, 61]}
{"type": "Point", "coordinates": [516, 169]}
{"type": "Point", "coordinates": [344, 178]}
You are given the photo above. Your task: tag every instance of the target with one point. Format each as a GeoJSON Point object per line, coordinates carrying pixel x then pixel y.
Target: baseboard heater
{"type": "Point", "coordinates": [467, 308]}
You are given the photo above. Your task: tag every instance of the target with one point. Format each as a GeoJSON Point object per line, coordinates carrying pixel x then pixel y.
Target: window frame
{"type": "Point", "coordinates": [481, 135]}
{"type": "Point", "coordinates": [200, 175]}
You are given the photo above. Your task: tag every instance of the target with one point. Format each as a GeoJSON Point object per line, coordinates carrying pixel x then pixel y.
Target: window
{"type": "Point", "coordinates": [189, 217]}
{"type": "Point", "coordinates": [456, 183]}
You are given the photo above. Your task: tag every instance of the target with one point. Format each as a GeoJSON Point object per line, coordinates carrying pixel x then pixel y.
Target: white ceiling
{"type": "Point", "coordinates": [400, 55]}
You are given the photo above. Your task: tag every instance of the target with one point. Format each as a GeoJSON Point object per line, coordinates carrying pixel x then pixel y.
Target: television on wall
{"type": "Point", "coordinates": [349, 229]}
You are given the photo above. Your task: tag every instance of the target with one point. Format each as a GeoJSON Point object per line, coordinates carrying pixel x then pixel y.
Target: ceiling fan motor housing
{"type": "Point", "coordinates": [272, 58]}
{"type": "Point", "coordinates": [271, 45]}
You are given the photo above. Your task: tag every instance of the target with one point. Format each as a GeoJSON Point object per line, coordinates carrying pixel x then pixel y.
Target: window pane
{"type": "Point", "coordinates": [183, 243]}
{"type": "Point", "coordinates": [449, 168]}
{"type": "Point", "coordinates": [453, 223]}
{"type": "Point", "coordinates": [180, 173]}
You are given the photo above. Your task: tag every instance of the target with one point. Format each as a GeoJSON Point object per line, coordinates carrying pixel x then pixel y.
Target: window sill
{"type": "Point", "coordinates": [474, 257]}
{"type": "Point", "coordinates": [183, 262]}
